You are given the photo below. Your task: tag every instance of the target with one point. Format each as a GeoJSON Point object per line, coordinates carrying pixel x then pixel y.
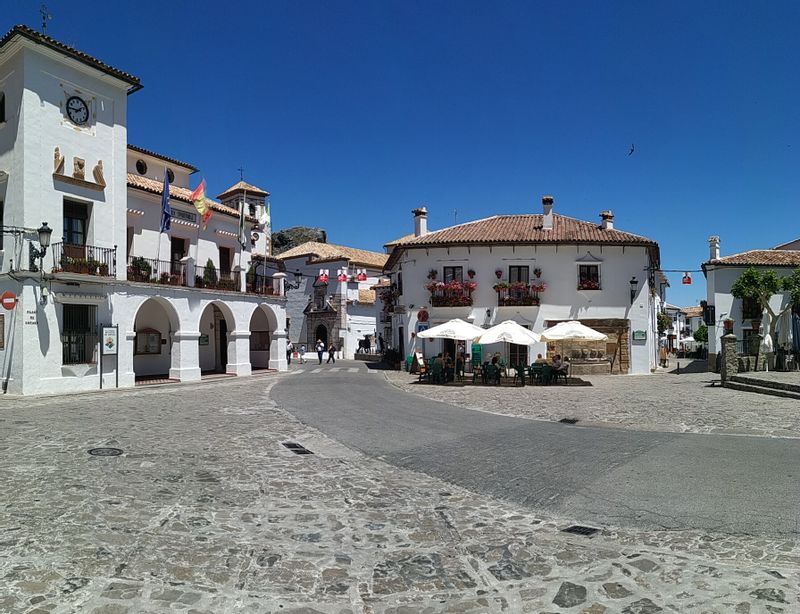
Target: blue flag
{"type": "Point", "coordinates": [166, 211]}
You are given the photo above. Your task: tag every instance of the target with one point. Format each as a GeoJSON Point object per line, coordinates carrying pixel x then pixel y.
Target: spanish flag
{"type": "Point", "coordinates": [198, 197]}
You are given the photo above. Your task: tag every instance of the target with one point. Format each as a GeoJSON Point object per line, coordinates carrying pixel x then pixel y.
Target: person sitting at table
{"type": "Point", "coordinates": [496, 359]}
{"type": "Point", "coordinates": [448, 367]}
{"type": "Point", "coordinates": [539, 360]}
{"type": "Point", "coordinates": [560, 365]}
{"type": "Point", "coordinates": [438, 360]}
{"type": "Point", "coordinates": [460, 365]}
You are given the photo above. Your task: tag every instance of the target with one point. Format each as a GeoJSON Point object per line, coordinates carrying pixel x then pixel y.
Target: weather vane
{"type": "Point", "coordinates": [46, 16]}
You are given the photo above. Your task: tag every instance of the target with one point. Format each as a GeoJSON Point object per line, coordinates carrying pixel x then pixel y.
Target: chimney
{"type": "Point", "coordinates": [420, 221]}
{"type": "Point", "coordinates": [547, 205]}
{"type": "Point", "coordinates": [607, 218]}
{"type": "Point", "coordinates": [713, 247]}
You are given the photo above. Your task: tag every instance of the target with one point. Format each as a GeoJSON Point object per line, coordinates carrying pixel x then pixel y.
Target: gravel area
{"type": "Point", "coordinates": [664, 401]}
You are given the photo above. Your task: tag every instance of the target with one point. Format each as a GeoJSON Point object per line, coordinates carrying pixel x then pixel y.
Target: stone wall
{"type": "Point", "coordinates": [617, 345]}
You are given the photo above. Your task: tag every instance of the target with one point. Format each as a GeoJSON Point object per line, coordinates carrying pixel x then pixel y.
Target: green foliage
{"type": "Point", "coordinates": [664, 322]}
{"type": "Point", "coordinates": [762, 285]}
{"type": "Point", "coordinates": [210, 274]}
{"type": "Point", "coordinates": [701, 334]}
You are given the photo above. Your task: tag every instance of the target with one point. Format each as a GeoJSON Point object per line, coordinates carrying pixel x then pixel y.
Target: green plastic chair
{"type": "Point", "coordinates": [437, 373]}
{"type": "Point", "coordinates": [536, 373]}
{"type": "Point", "coordinates": [519, 375]}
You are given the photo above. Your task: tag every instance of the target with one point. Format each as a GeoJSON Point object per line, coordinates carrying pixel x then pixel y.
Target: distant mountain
{"type": "Point", "coordinates": [288, 238]}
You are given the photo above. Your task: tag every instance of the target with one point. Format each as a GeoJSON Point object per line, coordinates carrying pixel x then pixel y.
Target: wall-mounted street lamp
{"type": "Point", "coordinates": [298, 278]}
{"type": "Point", "coordinates": [44, 241]}
{"type": "Point", "coordinates": [634, 287]}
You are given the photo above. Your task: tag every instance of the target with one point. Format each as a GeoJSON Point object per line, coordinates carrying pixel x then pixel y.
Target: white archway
{"type": "Point", "coordinates": [154, 325]}
{"type": "Point", "coordinates": [215, 345]}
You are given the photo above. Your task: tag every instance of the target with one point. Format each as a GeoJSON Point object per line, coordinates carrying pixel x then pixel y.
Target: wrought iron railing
{"type": "Point", "coordinates": [84, 259]}
{"type": "Point", "coordinates": [261, 284]}
{"type": "Point", "coordinates": [517, 295]}
{"type": "Point", "coordinates": [208, 277]}
{"type": "Point", "coordinates": [152, 271]}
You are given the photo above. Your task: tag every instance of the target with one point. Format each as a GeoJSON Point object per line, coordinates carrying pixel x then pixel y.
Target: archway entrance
{"type": "Point", "coordinates": [213, 343]}
{"type": "Point", "coordinates": [261, 330]}
{"type": "Point", "coordinates": [321, 334]}
{"type": "Point", "coordinates": [155, 322]}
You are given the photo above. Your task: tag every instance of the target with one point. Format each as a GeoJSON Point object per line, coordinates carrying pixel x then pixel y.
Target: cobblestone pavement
{"type": "Point", "coordinates": [205, 512]}
{"type": "Point", "coordinates": [685, 403]}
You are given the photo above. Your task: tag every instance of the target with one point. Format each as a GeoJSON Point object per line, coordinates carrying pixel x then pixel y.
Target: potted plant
{"type": "Point", "coordinates": [103, 269]}
{"type": "Point", "coordinates": [433, 274]}
{"type": "Point", "coordinates": [471, 273]}
{"type": "Point", "coordinates": [537, 272]}
{"type": "Point", "coordinates": [498, 273]}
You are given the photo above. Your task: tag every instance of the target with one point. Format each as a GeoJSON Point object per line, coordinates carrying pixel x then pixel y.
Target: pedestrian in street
{"type": "Point", "coordinates": [289, 350]}
{"type": "Point", "coordinates": [303, 354]}
{"type": "Point", "coordinates": [381, 343]}
{"type": "Point", "coordinates": [332, 354]}
{"type": "Point", "coordinates": [320, 349]}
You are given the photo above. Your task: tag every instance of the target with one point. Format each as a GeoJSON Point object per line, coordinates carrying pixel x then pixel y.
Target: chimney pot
{"type": "Point", "coordinates": [547, 206]}
{"type": "Point", "coordinates": [607, 218]}
{"type": "Point", "coordinates": [420, 221]}
{"type": "Point", "coordinates": [713, 247]}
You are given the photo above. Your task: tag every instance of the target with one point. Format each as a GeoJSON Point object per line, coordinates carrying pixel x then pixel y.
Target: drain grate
{"type": "Point", "coordinates": [296, 447]}
{"type": "Point", "coordinates": [568, 421]}
{"type": "Point", "coordinates": [105, 452]}
{"type": "Point", "coordinates": [579, 529]}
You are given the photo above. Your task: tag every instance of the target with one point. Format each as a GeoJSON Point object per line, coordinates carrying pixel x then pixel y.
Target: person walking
{"type": "Point", "coordinates": [332, 354]}
{"type": "Point", "coordinates": [289, 350]}
{"type": "Point", "coordinates": [303, 354]}
{"type": "Point", "coordinates": [320, 349]}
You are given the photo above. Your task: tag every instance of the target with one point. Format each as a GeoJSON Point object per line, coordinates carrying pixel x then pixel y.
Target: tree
{"type": "Point", "coordinates": [664, 323]}
{"type": "Point", "coordinates": [701, 334]}
{"type": "Point", "coordinates": [762, 286]}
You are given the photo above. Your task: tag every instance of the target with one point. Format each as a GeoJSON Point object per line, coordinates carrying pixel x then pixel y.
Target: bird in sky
{"type": "Point", "coordinates": [630, 153]}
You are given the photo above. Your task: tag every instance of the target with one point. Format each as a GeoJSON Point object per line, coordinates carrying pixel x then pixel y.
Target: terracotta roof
{"type": "Point", "coordinates": [507, 229]}
{"type": "Point", "coordinates": [241, 186]}
{"type": "Point", "coordinates": [162, 157]}
{"type": "Point", "coordinates": [80, 56]}
{"type": "Point", "coordinates": [402, 239]}
{"type": "Point", "coordinates": [383, 283]}
{"type": "Point", "coordinates": [523, 229]}
{"type": "Point", "coordinates": [760, 257]}
{"type": "Point", "coordinates": [693, 312]}
{"type": "Point", "coordinates": [322, 252]}
{"type": "Point", "coordinates": [157, 187]}
{"type": "Point", "coordinates": [366, 296]}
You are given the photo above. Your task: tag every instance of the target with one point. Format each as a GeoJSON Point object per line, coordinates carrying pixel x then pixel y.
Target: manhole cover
{"type": "Point", "coordinates": [296, 447]}
{"type": "Point", "coordinates": [568, 421]}
{"type": "Point", "coordinates": [105, 451]}
{"type": "Point", "coordinates": [578, 529]}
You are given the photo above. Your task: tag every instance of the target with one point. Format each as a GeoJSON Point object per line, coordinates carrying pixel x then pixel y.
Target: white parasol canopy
{"type": "Point", "coordinates": [510, 332]}
{"type": "Point", "coordinates": [454, 329]}
{"type": "Point", "coordinates": [565, 331]}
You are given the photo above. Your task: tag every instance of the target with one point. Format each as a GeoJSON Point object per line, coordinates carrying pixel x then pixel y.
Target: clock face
{"type": "Point", "coordinates": [77, 110]}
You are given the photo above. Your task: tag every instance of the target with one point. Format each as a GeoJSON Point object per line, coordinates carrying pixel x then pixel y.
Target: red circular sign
{"type": "Point", "coordinates": [9, 300]}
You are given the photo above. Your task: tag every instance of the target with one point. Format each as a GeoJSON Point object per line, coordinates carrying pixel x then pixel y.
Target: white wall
{"type": "Point", "coordinates": [561, 301]}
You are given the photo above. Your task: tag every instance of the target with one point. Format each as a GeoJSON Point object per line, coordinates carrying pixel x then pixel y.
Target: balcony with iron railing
{"type": "Point", "coordinates": [518, 294]}
{"type": "Point", "coordinates": [152, 271]}
{"type": "Point", "coordinates": [261, 284]}
{"type": "Point", "coordinates": [84, 259]}
{"type": "Point", "coordinates": [451, 294]}
{"type": "Point", "coordinates": [209, 278]}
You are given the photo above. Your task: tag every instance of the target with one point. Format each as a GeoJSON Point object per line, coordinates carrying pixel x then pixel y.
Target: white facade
{"type": "Point", "coordinates": [562, 300]}
{"type": "Point", "coordinates": [347, 311]}
{"type": "Point", "coordinates": [102, 218]}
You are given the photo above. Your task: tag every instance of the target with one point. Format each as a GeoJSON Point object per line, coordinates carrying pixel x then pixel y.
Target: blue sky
{"type": "Point", "coordinates": [353, 113]}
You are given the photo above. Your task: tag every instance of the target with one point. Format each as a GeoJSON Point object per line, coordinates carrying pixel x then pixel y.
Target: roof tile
{"type": "Point", "coordinates": [243, 186]}
{"type": "Point", "coordinates": [320, 252]}
{"type": "Point", "coordinates": [760, 257]}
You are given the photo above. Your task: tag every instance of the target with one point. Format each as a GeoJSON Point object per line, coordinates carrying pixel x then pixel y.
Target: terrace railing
{"type": "Point", "coordinates": [152, 271]}
{"type": "Point", "coordinates": [210, 278]}
{"type": "Point", "coordinates": [84, 259]}
{"type": "Point", "coordinates": [261, 284]}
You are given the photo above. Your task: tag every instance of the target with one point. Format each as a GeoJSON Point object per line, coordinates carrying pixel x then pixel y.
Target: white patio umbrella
{"type": "Point", "coordinates": [509, 332]}
{"type": "Point", "coordinates": [454, 329]}
{"type": "Point", "coordinates": [572, 330]}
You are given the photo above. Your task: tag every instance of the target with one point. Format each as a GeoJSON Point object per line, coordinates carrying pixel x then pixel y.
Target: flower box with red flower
{"type": "Point", "coordinates": [589, 284]}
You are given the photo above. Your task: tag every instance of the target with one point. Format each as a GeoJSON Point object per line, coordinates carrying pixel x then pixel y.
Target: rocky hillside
{"type": "Point", "coordinates": [288, 238]}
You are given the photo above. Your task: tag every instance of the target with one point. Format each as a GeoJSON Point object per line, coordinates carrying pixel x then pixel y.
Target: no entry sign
{"type": "Point", "coordinates": [9, 300]}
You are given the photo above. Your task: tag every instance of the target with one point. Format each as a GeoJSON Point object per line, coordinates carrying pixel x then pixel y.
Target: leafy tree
{"type": "Point", "coordinates": [701, 334]}
{"type": "Point", "coordinates": [664, 323]}
{"type": "Point", "coordinates": [762, 286]}
{"type": "Point", "coordinates": [210, 274]}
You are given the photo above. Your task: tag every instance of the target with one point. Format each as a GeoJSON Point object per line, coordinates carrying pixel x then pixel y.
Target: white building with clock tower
{"type": "Point", "coordinates": [196, 300]}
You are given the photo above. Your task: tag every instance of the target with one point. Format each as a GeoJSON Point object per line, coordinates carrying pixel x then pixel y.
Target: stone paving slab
{"type": "Point", "coordinates": [664, 402]}
{"type": "Point", "coordinates": [205, 512]}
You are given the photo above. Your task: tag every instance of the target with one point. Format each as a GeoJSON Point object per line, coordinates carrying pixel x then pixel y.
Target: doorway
{"type": "Point", "coordinates": [222, 329]}
{"type": "Point", "coordinates": [401, 342]}
{"type": "Point", "coordinates": [322, 335]}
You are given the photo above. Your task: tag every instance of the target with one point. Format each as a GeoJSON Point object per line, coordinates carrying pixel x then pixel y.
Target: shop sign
{"type": "Point", "coordinates": [640, 335]}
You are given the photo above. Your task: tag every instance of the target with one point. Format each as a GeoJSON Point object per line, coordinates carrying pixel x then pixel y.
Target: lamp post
{"type": "Point", "coordinates": [634, 287]}
{"type": "Point", "coordinates": [298, 278]}
{"type": "Point", "coordinates": [44, 241]}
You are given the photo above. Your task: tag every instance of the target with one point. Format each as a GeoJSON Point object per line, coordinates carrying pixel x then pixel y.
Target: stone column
{"type": "Point", "coordinates": [729, 363]}
{"type": "Point", "coordinates": [185, 356]}
{"type": "Point", "coordinates": [240, 274]}
{"type": "Point", "coordinates": [239, 353]}
{"type": "Point", "coordinates": [279, 284]}
{"type": "Point", "coordinates": [277, 350]}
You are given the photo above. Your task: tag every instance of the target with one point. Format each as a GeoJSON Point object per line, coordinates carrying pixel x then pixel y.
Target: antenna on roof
{"type": "Point", "coordinates": [46, 16]}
